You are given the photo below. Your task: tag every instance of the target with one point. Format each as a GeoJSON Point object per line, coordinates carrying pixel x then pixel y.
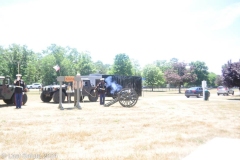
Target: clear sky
{"type": "Point", "coordinates": [145, 30]}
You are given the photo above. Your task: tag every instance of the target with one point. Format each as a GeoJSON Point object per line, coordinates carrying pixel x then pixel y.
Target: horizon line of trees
{"type": "Point", "coordinates": [38, 67]}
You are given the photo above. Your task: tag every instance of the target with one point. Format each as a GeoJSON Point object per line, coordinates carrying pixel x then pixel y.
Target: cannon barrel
{"type": "Point", "coordinates": [127, 97]}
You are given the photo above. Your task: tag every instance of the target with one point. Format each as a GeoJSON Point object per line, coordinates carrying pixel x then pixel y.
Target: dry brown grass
{"type": "Point", "coordinates": [162, 125]}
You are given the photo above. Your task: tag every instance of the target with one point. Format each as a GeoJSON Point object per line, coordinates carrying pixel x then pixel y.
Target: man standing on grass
{"type": "Point", "coordinates": [102, 91]}
{"type": "Point", "coordinates": [19, 87]}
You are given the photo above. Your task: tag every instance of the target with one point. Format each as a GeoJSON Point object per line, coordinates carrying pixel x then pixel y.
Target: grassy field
{"type": "Point", "coordinates": [162, 125]}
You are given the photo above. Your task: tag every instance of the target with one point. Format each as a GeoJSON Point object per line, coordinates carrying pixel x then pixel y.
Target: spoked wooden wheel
{"type": "Point", "coordinates": [127, 97]}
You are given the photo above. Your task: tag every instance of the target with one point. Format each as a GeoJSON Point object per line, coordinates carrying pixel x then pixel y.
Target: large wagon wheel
{"type": "Point", "coordinates": [56, 97]}
{"type": "Point", "coordinates": [127, 97]}
{"type": "Point", "coordinates": [93, 96]}
{"type": "Point", "coordinates": [24, 98]}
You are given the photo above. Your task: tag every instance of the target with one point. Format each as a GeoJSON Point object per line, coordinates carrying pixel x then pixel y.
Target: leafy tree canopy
{"type": "Point", "coordinates": [153, 76]}
{"type": "Point", "coordinates": [101, 68]}
{"type": "Point", "coordinates": [212, 79]}
{"type": "Point", "coordinates": [136, 69]}
{"type": "Point", "coordinates": [163, 65]}
{"type": "Point", "coordinates": [201, 70]}
{"type": "Point", "coordinates": [122, 65]}
{"type": "Point", "coordinates": [231, 74]}
{"type": "Point", "coordinates": [38, 67]}
{"type": "Point", "coordinates": [219, 80]}
{"type": "Point", "coordinates": [179, 74]}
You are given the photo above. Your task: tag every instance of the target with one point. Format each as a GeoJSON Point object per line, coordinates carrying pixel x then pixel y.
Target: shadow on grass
{"type": "Point", "coordinates": [7, 105]}
{"type": "Point", "coordinates": [167, 92]}
{"type": "Point", "coordinates": [235, 99]}
{"type": "Point", "coordinates": [176, 93]}
{"type": "Point", "coordinates": [172, 93]}
{"type": "Point", "coordinates": [68, 108]}
{"type": "Point", "coordinates": [156, 91]}
{"type": "Point", "coordinates": [66, 102]}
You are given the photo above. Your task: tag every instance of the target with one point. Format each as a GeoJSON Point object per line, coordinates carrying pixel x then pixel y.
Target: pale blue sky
{"type": "Point", "coordinates": [146, 30]}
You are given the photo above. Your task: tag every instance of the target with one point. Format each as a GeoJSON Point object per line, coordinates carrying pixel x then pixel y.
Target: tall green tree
{"type": "Point", "coordinates": [163, 65]}
{"type": "Point", "coordinates": [4, 64]}
{"type": "Point", "coordinates": [201, 70]}
{"type": "Point", "coordinates": [49, 75]}
{"type": "Point", "coordinates": [67, 68]}
{"type": "Point", "coordinates": [34, 72]}
{"type": "Point", "coordinates": [100, 67]}
{"type": "Point", "coordinates": [17, 58]}
{"type": "Point", "coordinates": [59, 54]}
{"type": "Point", "coordinates": [136, 68]}
{"type": "Point", "coordinates": [14, 57]}
{"type": "Point", "coordinates": [122, 65]}
{"type": "Point", "coordinates": [211, 79]}
{"type": "Point", "coordinates": [85, 65]}
{"type": "Point", "coordinates": [74, 58]}
{"type": "Point", "coordinates": [109, 69]}
{"type": "Point", "coordinates": [57, 51]}
{"type": "Point", "coordinates": [153, 76]}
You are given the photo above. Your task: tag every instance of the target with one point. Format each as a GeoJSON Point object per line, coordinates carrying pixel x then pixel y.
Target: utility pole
{"type": "Point", "coordinates": [18, 66]}
{"type": "Point", "coordinates": [18, 62]}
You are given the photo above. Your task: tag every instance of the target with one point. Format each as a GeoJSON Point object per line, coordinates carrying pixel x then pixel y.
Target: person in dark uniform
{"type": "Point", "coordinates": [19, 87]}
{"type": "Point", "coordinates": [101, 87]}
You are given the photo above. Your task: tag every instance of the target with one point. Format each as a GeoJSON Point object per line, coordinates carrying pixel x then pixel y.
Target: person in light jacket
{"type": "Point", "coordinates": [75, 89]}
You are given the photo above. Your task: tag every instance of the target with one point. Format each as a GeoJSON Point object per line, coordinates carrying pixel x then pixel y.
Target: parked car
{"type": "Point", "coordinates": [194, 91]}
{"type": "Point", "coordinates": [224, 90]}
{"type": "Point", "coordinates": [34, 86]}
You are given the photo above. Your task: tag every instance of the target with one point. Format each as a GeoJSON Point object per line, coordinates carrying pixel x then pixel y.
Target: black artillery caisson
{"type": "Point", "coordinates": [124, 89]}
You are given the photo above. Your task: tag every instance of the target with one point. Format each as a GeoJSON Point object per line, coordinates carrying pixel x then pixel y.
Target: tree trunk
{"type": "Point", "coordinates": [179, 89]}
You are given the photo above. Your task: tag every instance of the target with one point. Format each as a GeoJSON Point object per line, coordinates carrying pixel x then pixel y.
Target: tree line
{"type": "Point", "coordinates": [38, 67]}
